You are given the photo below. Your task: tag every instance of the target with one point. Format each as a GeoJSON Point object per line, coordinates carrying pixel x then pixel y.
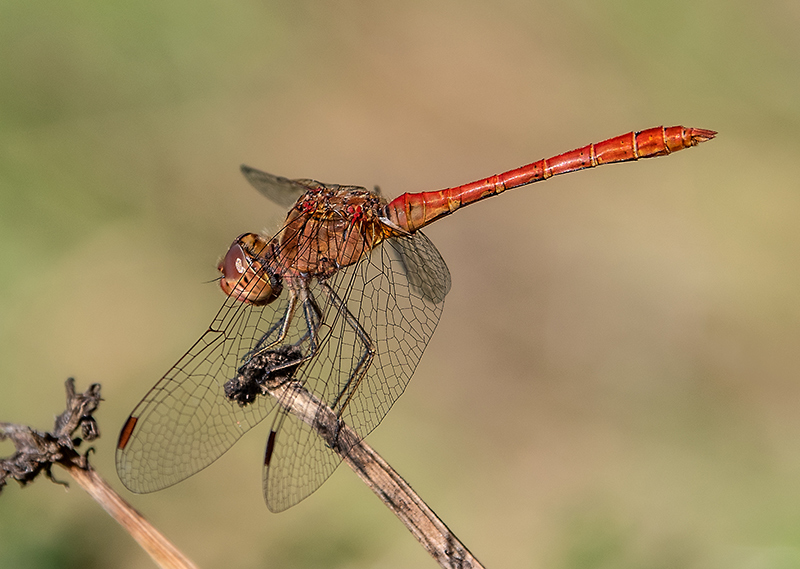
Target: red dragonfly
{"type": "Point", "coordinates": [352, 291]}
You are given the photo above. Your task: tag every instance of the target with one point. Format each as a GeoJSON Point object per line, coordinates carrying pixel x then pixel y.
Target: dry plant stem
{"type": "Point", "coordinates": [152, 541]}
{"type": "Point", "coordinates": [387, 484]}
{"type": "Point", "coordinates": [406, 504]}
{"type": "Point", "coordinates": [37, 451]}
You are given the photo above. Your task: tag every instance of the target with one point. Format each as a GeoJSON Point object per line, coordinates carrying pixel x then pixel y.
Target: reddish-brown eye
{"type": "Point", "coordinates": [234, 263]}
{"type": "Point", "coordinates": [244, 276]}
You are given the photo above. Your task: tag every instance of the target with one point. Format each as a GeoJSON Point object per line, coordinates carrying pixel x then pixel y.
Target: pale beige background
{"type": "Point", "coordinates": [614, 382]}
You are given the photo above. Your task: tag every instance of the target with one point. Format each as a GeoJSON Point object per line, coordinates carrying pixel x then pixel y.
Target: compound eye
{"type": "Point", "coordinates": [234, 264]}
{"type": "Point", "coordinates": [244, 276]}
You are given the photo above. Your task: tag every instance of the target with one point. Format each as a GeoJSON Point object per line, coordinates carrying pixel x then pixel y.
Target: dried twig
{"type": "Point", "coordinates": [36, 452]}
{"type": "Point", "coordinates": [264, 373]}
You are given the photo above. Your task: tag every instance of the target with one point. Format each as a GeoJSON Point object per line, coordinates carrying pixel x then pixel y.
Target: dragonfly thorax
{"type": "Point", "coordinates": [329, 229]}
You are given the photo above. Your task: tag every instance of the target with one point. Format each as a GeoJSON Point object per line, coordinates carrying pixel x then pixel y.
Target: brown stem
{"type": "Point", "coordinates": [376, 473]}
{"type": "Point", "coordinates": [37, 451]}
{"type": "Point", "coordinates": [163, 552]}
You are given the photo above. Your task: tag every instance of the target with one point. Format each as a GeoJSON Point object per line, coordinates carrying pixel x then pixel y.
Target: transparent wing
{"type": "Point", "coordinates": [378, 316]}
{"type": "Point", "coordinates": [280, 190]}
{"type": "Point", "coordinates": [283, 191]}
{"type": "Point", "coordinates": [424, 268]}
{"type": "Point", "coordinates": [185, 422]}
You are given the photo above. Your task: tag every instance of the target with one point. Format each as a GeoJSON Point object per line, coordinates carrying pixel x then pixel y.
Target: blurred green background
{"type": "Point", "coordinates": [614, 382]}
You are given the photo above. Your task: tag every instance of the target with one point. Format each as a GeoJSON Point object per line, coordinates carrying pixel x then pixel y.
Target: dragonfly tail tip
{"type": "Point", "coordinates": [701, 135]}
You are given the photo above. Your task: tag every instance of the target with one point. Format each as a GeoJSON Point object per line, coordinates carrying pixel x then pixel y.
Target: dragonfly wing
{"type": "Point", "coordinates": [286, 192]}
{"type": "Point", "coordinates": [280, 190]}
{"type": "Point", "coordinates": [299, 462]}
{"type": "Point", "coordinates": [185, 422]}
{"type": "Point", "coordinates": [399, 309]}
{"type": "Point", "coordinates": [396, 295]}
{"type": "Point", "coordinates": [425, 269]}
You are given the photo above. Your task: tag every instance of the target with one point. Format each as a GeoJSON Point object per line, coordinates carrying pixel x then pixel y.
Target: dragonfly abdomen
{"type": "Point", "coordinates": [414, 211]}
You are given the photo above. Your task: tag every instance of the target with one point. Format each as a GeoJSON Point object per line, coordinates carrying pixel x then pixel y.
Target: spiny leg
{"type": "Point", "coordinates": [313, 318]}
{"type": "Point", "coordinates": [283, 323]}
{"type": "Point", "coordinates": [259, 347]}
{"type": "Point", "coordinates": [364, 362]}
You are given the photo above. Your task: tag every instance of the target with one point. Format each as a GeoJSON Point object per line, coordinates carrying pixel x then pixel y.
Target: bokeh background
{"type": "Point", "coordinates": [614, 382]}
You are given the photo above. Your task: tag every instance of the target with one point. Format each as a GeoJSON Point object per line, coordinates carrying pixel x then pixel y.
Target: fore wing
{"type": "Point", "coordinates": [185, 422]}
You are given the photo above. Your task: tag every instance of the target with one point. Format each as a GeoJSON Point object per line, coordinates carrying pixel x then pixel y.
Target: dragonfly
{"type": "Point", "coordinates": [343, 300]}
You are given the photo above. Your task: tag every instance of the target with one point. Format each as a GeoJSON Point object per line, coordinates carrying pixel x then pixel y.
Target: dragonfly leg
{"type": "Point", "coordinates": [360, 370]}
{"type": "Point", "coordinates": [271, 366]}
{"type": "Point", "coordinates": [310, 310]}
{"type": "Point", "coordinates": [284, 323]}
{"type": "Point", "coordinates": [313, 318]}
{"type": "Point", "coordinates": [259, 346]}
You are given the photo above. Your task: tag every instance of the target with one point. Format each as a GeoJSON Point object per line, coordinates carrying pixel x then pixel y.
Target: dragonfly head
{"type": "Point", "coordinates": [245, 271]}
